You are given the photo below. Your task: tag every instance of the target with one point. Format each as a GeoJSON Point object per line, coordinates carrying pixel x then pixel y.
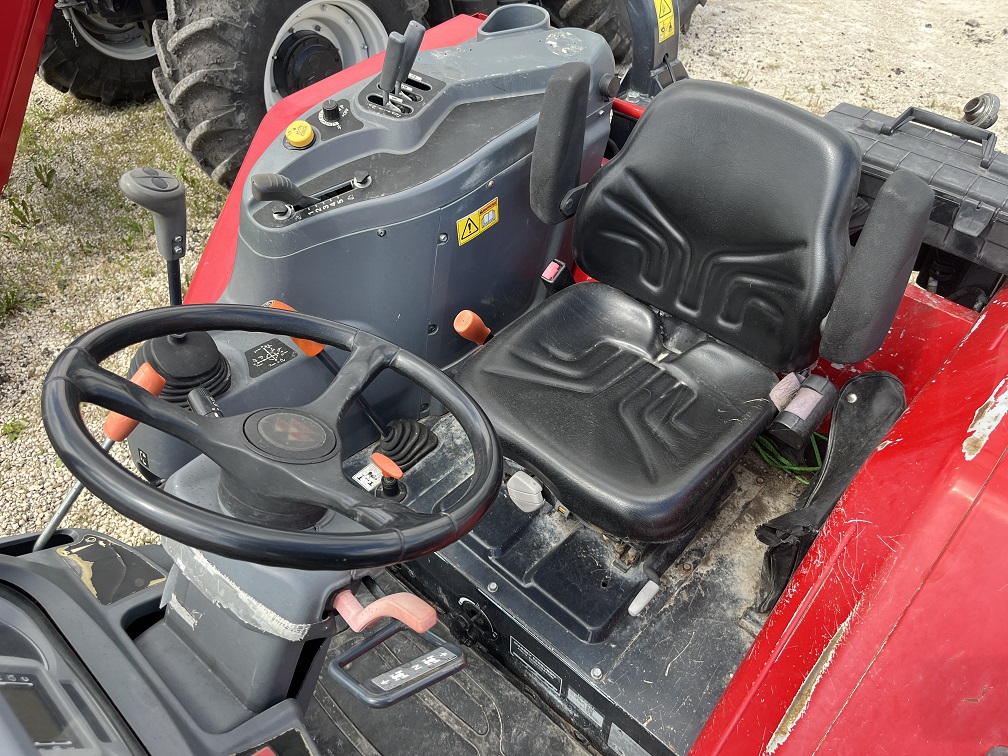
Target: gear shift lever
{"type": "Point", "coordinates": [164, 196]}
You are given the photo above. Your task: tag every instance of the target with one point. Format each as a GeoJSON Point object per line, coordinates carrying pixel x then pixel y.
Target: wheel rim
{"type": "Point", "coordinates": [122, 41]}
{"type": "Point", "coordinates": [318, 29]}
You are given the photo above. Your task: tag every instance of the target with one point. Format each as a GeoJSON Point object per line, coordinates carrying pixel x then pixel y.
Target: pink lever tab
{"type": "Point", "coordinates": [412, 611]}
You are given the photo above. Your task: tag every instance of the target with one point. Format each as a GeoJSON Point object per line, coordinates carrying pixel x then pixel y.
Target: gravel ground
{"type": "Point", "coordinates": [77, 255]}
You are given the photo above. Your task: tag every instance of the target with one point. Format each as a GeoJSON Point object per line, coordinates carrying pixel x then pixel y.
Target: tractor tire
{"type": "Point", "coordinates": [605, 17]}
{"type": "Point", "coordinates": [217, 59]}
{"type": "Point", "coordinates": [96, 60]}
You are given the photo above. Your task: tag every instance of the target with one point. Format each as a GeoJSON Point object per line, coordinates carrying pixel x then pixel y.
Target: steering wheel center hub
{"type": "Point", "coordinates": [289, 436]}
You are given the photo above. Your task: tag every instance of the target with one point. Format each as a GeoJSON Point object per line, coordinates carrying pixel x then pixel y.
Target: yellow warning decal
{"type": "Point", "coordinates": [666, 19]}
{"type": "Point", "coordinates": [476, 223]}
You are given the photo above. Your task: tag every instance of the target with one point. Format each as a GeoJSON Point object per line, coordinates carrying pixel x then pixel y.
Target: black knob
{"type": "Point", "coordinates": [609, 86]}
{"type": "Point", "coordinates": [330, 111]}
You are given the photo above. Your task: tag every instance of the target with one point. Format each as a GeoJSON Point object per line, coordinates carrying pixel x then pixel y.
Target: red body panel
{"type": "Point", "coordinates": [903, 598]}
{"type": "Point", "coordinates": [925, 331]}
{"type": "Point", "coordinates": [214, 271]}
{"type": "Point", "coordinates": [25, 23]}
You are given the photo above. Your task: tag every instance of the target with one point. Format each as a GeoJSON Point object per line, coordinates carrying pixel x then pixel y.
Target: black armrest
{"type": "Point", "coordinates": [876, 277]}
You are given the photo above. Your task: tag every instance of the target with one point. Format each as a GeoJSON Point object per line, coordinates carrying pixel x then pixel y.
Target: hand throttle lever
{"type": "Point", "coordinates": [276, 186]}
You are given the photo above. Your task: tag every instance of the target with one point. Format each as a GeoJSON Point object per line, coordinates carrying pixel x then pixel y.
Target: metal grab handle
{"type": "Point", "coordinates": [987, 139]}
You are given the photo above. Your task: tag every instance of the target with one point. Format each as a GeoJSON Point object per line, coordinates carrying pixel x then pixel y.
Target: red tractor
{"type": "Point", "coordinates": [467, 434]}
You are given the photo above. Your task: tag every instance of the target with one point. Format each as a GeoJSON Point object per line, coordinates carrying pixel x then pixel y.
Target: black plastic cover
{"type": "Point", "coordinates": [559, 141]}
{"type": "Point", "coordinates": [728, 209]}
{"type": "Point", "coordinates": [970, 213]}
{"type": "Point", "coordinates": [631, 435]}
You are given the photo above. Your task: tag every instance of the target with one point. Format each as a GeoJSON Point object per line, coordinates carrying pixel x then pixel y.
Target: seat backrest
{"type": "Point", "coordinates": [727, 209]}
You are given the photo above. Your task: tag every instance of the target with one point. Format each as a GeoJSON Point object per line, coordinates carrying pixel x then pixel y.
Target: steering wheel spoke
{"type": "Point", "coordinates": [368, 357]}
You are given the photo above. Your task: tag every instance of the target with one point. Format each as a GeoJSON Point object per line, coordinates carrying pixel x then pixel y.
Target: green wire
{"type": "Point", "coordinates": [775, 459]}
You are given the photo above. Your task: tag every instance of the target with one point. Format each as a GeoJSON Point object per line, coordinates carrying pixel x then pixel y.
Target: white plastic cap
{"type": "Point", "coordinates": [643, 598]}
{"type": "Point", "coordinates": [525, 491]}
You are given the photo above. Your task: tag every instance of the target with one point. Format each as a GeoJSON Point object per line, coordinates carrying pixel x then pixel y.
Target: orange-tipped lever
{"type": "Point", "coordinates": [470, 326]}
{"type": "Point", "coordinates": [311, 348]}
{"type": "Point", "coordinates": [391, 475]}
{"type": "Point", "coordinates": [412, 611]}
{"type": "Point", "coordinates": [118, 427]}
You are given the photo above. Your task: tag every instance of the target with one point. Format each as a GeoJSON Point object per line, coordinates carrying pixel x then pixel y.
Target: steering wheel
{"type": "Point", "coordinates": [254, 462]}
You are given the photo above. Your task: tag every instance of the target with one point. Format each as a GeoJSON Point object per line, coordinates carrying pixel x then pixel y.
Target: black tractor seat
{"type": "Point", "coordinates": [719, 236]}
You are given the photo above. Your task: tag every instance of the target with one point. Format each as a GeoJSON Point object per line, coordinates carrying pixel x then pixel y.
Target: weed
{"type": "Point", "coordinates": [24, 214]}
{"type": "Point", "coordinates": [14, 298]}
{"type": "Point", "coordinates": [45, 173]}
{"type": "Point", "coordinates": [13, 428]}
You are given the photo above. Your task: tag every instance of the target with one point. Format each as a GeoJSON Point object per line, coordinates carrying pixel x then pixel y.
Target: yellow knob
{"type": "Point", "coordinates": [300, 134]}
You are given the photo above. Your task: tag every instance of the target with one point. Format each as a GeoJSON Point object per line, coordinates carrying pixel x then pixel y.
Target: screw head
{"type": "Point", "coordinates": [490, 184]}
{"type": "Point", "coordinates": [317, 28]}
{"type": "Point", "coordinates": [492, 587]}
{"type": "Point", "coordinates": [442, 238]}
{"type": "Point", "coordinates": [851, 398]}
{"type": "Point", "coordinates": [596, 673]}
{"type": "Point", "coordinates": [381, 232]}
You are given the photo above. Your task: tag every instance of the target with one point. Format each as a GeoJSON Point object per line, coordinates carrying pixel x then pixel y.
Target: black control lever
{"type": "Point", "coordinates": [202, 403]}
{"type": "Point", "coordinates": [390, 68]}
{"type": "Point", "coordinates": [164, 196]}
{"type": "Point", "coordinates": [276, 186]}
{"type": "Point", "coordinates": [411, 47]}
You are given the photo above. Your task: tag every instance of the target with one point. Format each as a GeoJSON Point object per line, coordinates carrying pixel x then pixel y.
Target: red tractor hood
{"type": "Point", "coordinates": [20, 46]}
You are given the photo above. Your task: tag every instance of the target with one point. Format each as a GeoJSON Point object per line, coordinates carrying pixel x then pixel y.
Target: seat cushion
{"type": "Point", "coordinates": [631, 420]}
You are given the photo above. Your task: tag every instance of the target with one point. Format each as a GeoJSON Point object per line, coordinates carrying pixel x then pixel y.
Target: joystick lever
{"type": "Point", "coordinates": [390, 68]}
{"type": "Point", "coordinates": [164, 196]}
{"type": "Point", "coordinates": [411, 47]}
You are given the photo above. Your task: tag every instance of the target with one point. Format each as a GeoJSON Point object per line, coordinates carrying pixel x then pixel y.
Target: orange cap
{"type": "Point", "coordinates": [118, 427]}
{"type": "Point", "coordinates": [311, 348]}
{"type": "Point", "coordinates": [388, 468]}
{"type": "Point", "coordinates": [470, 326]}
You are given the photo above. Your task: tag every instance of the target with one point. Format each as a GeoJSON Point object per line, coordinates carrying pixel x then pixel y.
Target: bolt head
{"type": "Point", "coordinates": [596, 673]}
{"type": "Point", "coordinates": [443, 238]}
{"type": "Point", "coordinates": [317, 28]}
{"type": "Point", "coordinates": [851, 398]}
{"type": "Point", "coordinates": [490, 184]}
{"type": "Point", "coordinates": [492, 587]}
{"type": "Point", "coordinates": [381, 232]}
